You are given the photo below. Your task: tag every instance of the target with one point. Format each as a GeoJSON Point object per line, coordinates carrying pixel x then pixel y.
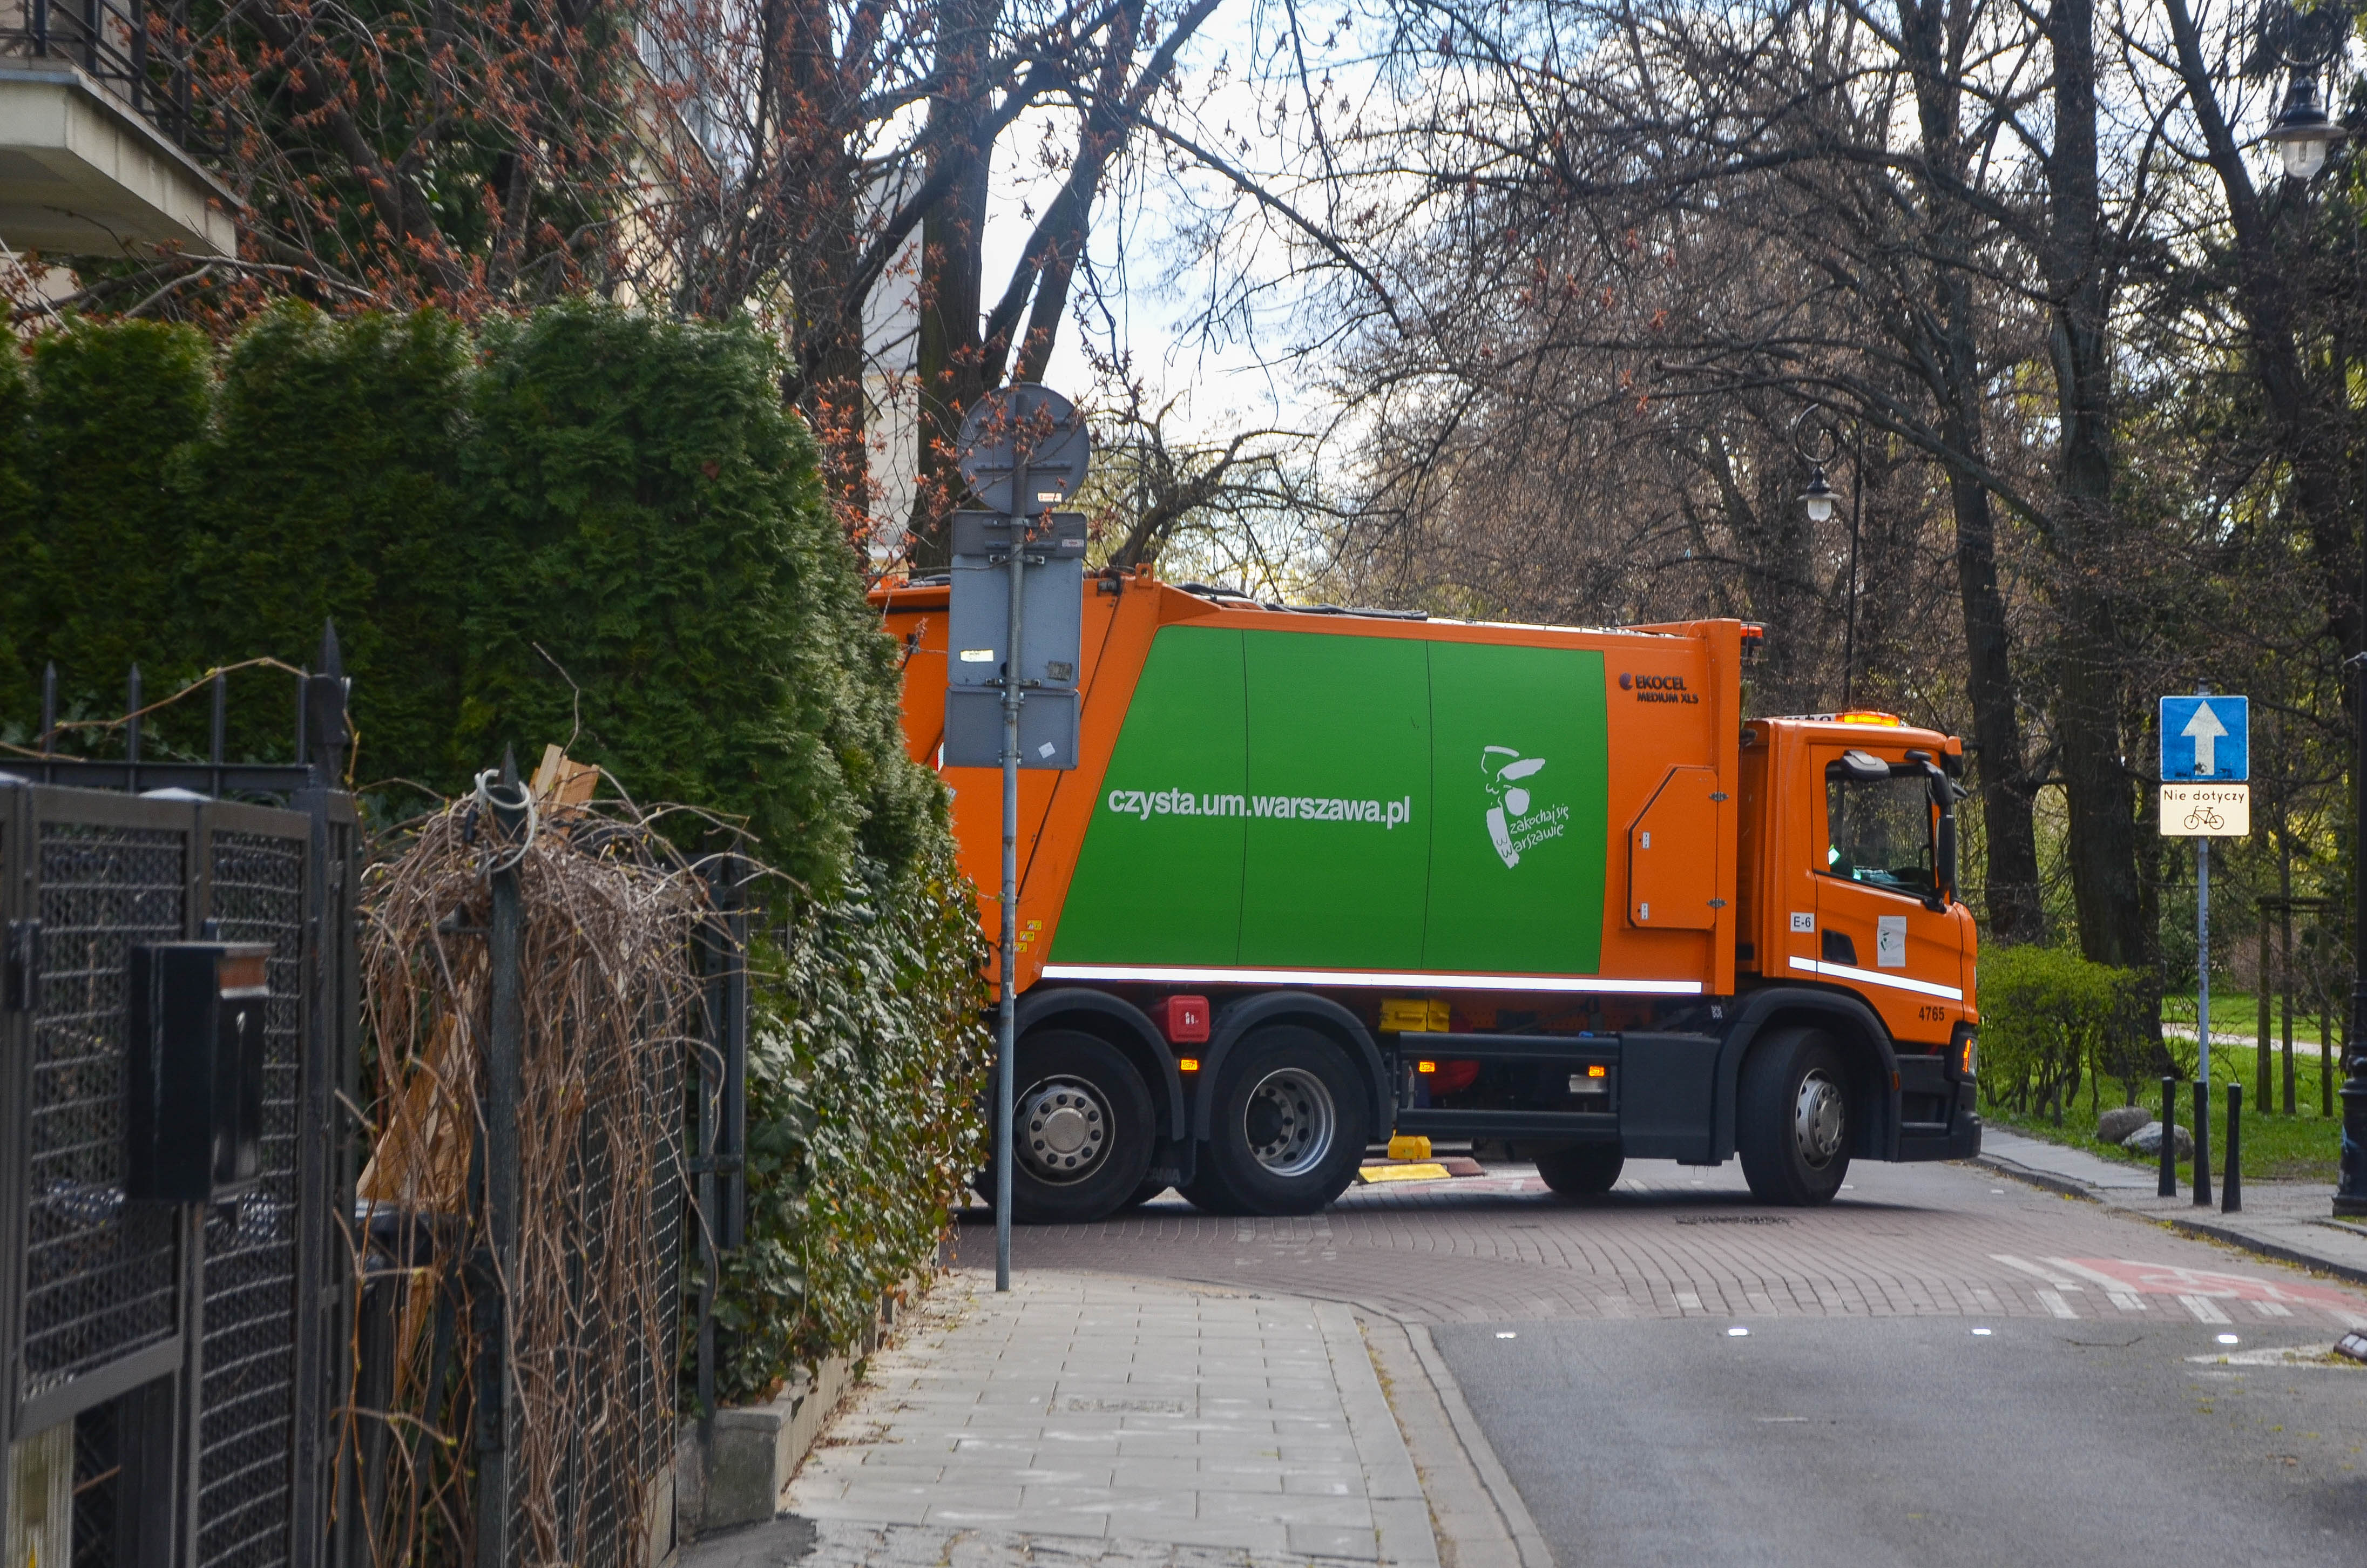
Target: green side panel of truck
{"type": "Point", "coordinates": [1520, 743]}
{"type": "Point", "coordinates": [1301, 801]}
{"type": "Point", "coordinates": [1336, 719]}
{"type": "Point", "coordinates": [1162, 885]}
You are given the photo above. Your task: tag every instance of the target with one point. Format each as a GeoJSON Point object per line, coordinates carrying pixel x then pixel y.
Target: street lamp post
{"type": "Point", "coordinates": [1817, 445]}
{"type": "Point", "coordinates": [2304, 136]}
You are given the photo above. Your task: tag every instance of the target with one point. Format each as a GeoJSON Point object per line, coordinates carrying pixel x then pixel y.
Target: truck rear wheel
{"type": "Point", "coordinates": [1575, 1170]}
{"type": "Point", "coordinates": [1792, 1128]}
{"type": "Point", "coordinates": [1080, 1126]}
{"type": "Point", "coordinates": [1289, 1127]}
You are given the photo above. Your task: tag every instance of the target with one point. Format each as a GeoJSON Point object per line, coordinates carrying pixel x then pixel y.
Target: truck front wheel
{"type": "Point", "coordinates": [1289, 1127]}
{"type": "Point", "coordinates": [1082, 1129]}
{"type": "Point", "coordinates": [1792, 1130]}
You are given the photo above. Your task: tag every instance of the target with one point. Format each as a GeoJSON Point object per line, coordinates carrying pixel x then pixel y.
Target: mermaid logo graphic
{"type": "Point", "coordinates": [1512, 824]}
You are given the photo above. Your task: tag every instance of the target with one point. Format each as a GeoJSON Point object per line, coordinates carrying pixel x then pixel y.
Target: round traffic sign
{"type": "Point", "coordinates": [1024, 427]}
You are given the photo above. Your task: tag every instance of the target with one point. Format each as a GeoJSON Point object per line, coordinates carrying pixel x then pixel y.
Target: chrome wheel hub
{"type": "Point", "coordinates": [1061, 1127]}
{"type": "Point", "coordinates": [1819, 1120]}
{"type": "Point", "coordinates": [1289, 1121]}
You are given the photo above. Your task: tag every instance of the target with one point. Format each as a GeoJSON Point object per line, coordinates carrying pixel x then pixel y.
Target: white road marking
{"type": "Point", "coordinates": [2273, 1309]}
{"type": "Point", "coordinates": [1689, 1301]}
{"type": "Point", "coordinates": [2055, 1278]}
{"type": "Point", "coordinates": [2115, 1290]}
{"type": "Point", "coordinates": [2204, 1309]}
{"type": "Point", "coordinates": [2056, 1305]}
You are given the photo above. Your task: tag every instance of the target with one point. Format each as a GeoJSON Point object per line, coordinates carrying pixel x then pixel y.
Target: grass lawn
{"type": "Point", "coordinates": [2238, 1013]}
{"type": "Point", "coordinates": [2290, 1148]}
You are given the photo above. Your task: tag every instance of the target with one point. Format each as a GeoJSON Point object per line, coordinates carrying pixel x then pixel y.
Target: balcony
{"type": "Point", "coordinates": [95, 135]}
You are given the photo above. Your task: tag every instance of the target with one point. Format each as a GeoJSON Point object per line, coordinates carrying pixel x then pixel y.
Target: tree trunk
{"type": "Point", "coordinates": [2098, 786]}
{"type": "Point", "coordinates": [950, 370]}
{"type": "Point", "coordinates": [1931, 35]}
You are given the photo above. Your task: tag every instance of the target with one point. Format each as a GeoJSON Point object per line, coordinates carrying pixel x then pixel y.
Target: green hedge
{"type": "Point", "coordinates": [862, 1127]}
{"type": "Point", "coordinates": [585, 495]}
{"type": "Point", "coordinates": [583, 522]}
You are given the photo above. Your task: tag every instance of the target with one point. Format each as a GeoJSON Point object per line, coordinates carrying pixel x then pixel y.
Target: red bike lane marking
{"type": "Point", "coordinates": [2172, 1280]}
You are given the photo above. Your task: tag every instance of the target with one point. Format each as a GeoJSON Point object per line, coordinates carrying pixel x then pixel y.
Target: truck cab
{"type": "Point", "coordinates": [1321, 876]}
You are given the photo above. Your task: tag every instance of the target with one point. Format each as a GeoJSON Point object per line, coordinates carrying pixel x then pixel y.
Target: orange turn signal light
{"type": "Point", "coordinates": [1598, 1072]}
{"type": "Point", "coordinates": [1187, 1064]}
{"type": "Point", "coordinates": [1425, 1066]}
{"type": "Point", "coordinates": [1868, 716]}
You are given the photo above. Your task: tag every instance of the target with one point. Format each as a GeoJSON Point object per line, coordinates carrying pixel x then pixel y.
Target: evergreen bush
{"type": "Point", "coordinates": [584, 526]}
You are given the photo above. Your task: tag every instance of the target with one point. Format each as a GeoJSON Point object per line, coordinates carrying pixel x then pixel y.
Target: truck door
{"type": "Point", "coordinates": [1881, 927]}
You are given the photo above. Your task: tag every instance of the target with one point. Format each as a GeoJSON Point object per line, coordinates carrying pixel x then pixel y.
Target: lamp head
{"type": "Point", "coordinates": [2303, 133]}
{"type": "Point", "coordinates": [1818, 497]}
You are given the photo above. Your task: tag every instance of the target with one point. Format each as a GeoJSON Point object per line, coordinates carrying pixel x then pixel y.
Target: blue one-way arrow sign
{"type": "Point", "coordinates": [2207, 737]}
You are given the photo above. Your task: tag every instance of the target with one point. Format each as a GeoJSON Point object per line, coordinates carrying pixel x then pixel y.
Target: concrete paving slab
{"type": "Point", "coordinates": [1191, 1423]}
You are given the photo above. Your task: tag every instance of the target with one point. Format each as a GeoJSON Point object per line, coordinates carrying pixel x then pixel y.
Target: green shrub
{"type": "Point", "coordinates": [2051, 1019]}
{"type": "Point", "coordinates": [94, 483]}
{"type": "Point", "coordinates": [644, 511]}
{"type": "Point", "coordinates": [863, 1080]}
{"type": "Point", "coordinates": [587, 523]}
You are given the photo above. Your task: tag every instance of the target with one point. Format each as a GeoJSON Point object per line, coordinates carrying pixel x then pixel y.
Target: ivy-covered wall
{"type": "Point", "coordinates": [581, 523]}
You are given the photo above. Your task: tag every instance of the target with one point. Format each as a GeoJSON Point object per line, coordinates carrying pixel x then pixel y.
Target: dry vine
{"type": "Point", "coordinates": [612, 1008]}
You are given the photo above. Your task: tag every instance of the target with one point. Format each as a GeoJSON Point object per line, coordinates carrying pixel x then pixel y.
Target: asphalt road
{"type": "Point", "coordinates": [1915, 1441]}
{"type": "Point", "coordinates": [1861, 1419]}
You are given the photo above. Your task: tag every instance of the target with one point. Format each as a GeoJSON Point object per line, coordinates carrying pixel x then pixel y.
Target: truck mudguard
{"type": "Point", "coordinates": [1854, 1027]}
{"type": "Point", "coordinates": [1317, 1012]}
{"type": "Point", "coordinates": [1126, 1027]}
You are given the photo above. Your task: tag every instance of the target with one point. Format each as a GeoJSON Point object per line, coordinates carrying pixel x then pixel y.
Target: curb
{"type": "Point", "coordinates": [2064, 1186]}
{"type": "Point", "coordinates": [1527, 1540]}
{"type": "Point", "coordinates": [1400, 1512]}
{"type": "Point", "coordinates": [2203, 1230]}
{"type": "Point", "coordinates": [2266, 1248]}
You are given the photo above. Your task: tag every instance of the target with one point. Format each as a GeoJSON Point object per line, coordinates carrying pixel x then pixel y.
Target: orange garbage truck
{"type": "Point", "coordinates": [1320, 876]}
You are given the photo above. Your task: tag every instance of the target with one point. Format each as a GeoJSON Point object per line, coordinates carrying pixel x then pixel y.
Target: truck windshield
{"type": "Point", "coordinates": [1880, 831]}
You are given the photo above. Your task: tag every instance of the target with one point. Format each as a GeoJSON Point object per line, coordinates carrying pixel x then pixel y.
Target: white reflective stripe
{"type": "Point", "coordinates": [1179, 975]}
{"type": "Point", "coordinates": [1874, 977]}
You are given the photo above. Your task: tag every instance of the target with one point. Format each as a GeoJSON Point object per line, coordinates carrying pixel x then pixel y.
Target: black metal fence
{"type": "Point", "coordinates": [165, 1367]}
{"type": "Point", "coordinates": [207, 1385]}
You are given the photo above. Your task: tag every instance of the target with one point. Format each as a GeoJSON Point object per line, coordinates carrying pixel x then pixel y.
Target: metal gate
{"type": "Point", "coordinates": [164, 1370]}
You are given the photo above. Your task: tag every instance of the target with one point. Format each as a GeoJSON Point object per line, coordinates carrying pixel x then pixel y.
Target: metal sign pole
{"type": "Point", "coordinates": [1007, 969]}
{"type": "Point", "coordinates": [2202, 954]}
{"type": "Point", "coordinates": [1023, 451]}
{"type": "Point", "coordinates": [2202, 974]}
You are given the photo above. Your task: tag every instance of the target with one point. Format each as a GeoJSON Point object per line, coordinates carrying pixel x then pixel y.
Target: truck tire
{"type": "Point", "coordinates": [1577, 1170]}
{"type": "Point", "coordinates": [1289, 1125]}
{"type": "Point", "coordinates": [1793, 1127]}
{"type": "Point", "coordinates": [1206, 1194]}
{"type": "Point", "coordinates": [1082, 1129]}
{"type": "Point", "coordinates": [1150, 1188]}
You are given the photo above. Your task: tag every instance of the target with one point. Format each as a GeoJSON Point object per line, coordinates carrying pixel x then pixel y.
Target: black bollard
{"type": "Point", "coordinates": [2169, 1188]}
{"type": "Point", "coordinates": [2202, 1146]}
{"type": "Point", "coordinates": [2231, 1184]}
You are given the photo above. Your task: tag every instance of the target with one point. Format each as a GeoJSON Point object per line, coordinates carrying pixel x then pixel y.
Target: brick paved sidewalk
{"type": "Point", "coordinates": [1095, 1420]}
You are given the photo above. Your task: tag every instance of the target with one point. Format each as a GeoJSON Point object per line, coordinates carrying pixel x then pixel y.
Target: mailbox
{"type": "Point", "coordinates": [193, 1077]}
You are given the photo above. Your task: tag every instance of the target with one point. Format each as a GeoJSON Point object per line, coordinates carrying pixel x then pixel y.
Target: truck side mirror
{"type": "Point", "coordinates": [1945, 793]}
